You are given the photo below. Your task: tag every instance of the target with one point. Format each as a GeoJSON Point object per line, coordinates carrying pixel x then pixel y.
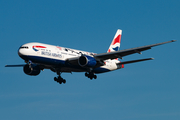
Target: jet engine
{"type": "Point", "coordinates": [32, 70]}
{"type": "Point", "coordinates": [87, 61]}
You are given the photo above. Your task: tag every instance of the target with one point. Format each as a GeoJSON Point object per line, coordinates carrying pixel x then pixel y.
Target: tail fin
{"type": "Point", "coordinates": [115, 45]}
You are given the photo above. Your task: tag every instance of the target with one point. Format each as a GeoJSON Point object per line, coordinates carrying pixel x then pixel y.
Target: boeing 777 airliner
{"type": "Point", "coordinates": [39, 56]}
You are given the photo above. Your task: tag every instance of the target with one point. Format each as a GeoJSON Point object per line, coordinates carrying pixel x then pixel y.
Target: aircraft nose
{"type": "Point", "coordinates": [22, 50]}
{"type": "Point", "coordinates": [19, 51]}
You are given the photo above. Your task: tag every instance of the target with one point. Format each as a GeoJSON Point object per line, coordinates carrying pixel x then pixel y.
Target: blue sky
{"type": "Point", "coordinates": [147, 90]}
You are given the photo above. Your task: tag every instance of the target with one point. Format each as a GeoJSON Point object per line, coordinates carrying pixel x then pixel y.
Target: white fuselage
{"type": "Point", "coordinates": [54, 56]}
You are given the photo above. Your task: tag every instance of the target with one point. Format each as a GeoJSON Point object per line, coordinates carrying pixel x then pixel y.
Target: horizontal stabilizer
{"type": "Point", "coordinates": [15, 65]}
{"type": "Point", "coordinates": [133, 61]}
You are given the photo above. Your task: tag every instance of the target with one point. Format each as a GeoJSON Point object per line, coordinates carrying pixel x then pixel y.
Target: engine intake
{"type": "Point", "coordinates": [33, 70]}
{"type": "Point", "coordinates": [87, 61]}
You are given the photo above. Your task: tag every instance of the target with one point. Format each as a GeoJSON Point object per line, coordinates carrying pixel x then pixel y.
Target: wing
{"type": "Point", "coordinates": [15, 65]}
{"type": "Point", "coordinates": [122, 53]}
{"type": "Point", "coordinates": [22, 65]}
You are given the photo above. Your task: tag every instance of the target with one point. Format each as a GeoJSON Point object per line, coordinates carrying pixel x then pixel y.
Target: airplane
{"type": "Point", "coordinates": [40, 56]}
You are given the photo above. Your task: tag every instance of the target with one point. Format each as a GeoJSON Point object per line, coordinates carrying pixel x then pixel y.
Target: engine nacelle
{"type": "Point", "coordinates": [87, 61]}
{"type": "Point", "coordinates": [33, 70]}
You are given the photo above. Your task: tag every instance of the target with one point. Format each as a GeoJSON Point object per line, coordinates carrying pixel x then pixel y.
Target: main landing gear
{"type": "Point", "coordinates": [90, 75]}
{"type": "Point", "coordinates": [59, 79]}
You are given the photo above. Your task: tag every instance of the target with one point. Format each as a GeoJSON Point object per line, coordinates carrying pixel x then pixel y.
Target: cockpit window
{"type": "Point", "coordinates": [26, 47]}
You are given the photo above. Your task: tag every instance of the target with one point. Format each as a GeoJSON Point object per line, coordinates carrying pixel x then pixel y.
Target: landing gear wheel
{"type": "Point", "coordinates": [59, 79]}
{"type": "Point", "coordinates": [95, 76]}
{"type": "Point", "coordinates": [86, 74]}
{"type": "Point", "coordinates": [64, 81]}
{"type": "Point", "coordinates": [60, 82]}
{"type": "Point", "coordinates": [55, 79]}
{"type": "Point", "coordinates": [91, 75]}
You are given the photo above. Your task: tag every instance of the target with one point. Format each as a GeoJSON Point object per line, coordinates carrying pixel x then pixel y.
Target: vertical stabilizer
{"type": "Point", "coordinates": [115, 45]}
